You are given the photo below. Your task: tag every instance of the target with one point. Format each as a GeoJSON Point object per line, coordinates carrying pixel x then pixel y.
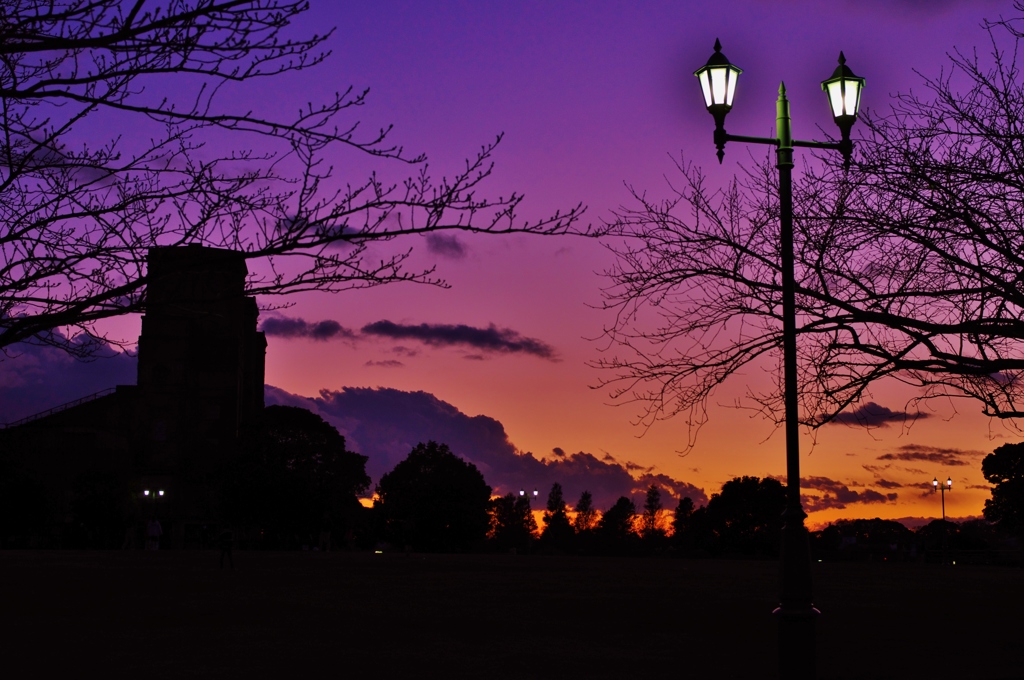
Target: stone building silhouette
{"type": "Point", "coordinates": [199, 387]}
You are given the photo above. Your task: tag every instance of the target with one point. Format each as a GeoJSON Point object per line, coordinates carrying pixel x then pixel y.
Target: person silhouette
{"type": "Point", "coordinates": [153, 533]}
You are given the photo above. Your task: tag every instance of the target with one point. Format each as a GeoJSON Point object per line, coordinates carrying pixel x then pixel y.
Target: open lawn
{"type": "Point", "coordinates": [177, 615]}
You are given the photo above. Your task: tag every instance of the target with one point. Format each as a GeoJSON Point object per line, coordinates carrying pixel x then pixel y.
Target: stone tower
{"type": "Point", "coordinates": [201, 359]}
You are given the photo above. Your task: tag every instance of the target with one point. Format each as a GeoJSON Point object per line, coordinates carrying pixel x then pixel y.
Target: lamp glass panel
{"type": "Point", "coordinates": [852, 97]}
{"type": "Point", "coordinates": [835, 98]}
{"type": "Point", "coordinates": [718, 84]}
{"type": "Point", "coordinates": [733, 77]}
{"type": "Point", "coordinates": [705, 85]}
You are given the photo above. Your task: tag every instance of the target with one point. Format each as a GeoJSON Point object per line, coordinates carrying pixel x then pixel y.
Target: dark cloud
{"type": "Point", "coordinates": [888, 484]}
{"type": "Point", "coordinates": [286, 327]}
{"type": "Point", "coordinates": [446, 245]}
{"type": "Point", "coordinates": [558, 452]}
{"type": "Point", "coordinates": [385, 424]}
{"type": "Point", "coordinates": [875, 415]}
{"type": "Point", "coordinates": [835, 494]}
{"type": "Point", "coordinates": [490, 339]}
{"type": "Point", "coordinates": [36, 378]}
{"type": "Point", "coordinates": [932, 454]}
{"type": "Point", "coordinates": [403, 351]}
{"type": "Point", "coordinates": [387, 363]}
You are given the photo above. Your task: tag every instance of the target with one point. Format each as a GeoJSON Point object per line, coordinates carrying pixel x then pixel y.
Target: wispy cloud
{"type": "Point", "coordinates": [933, 454]}
{"type": "Point", "coordinates": [490, 339]}
{"type": "Point", "coordinates": [446, 245]}
{"type": "Point", "coordinates": [483, 341]}
{"type": "Point", "coordinates": [875, 415]}
{"type": "Point", "coordinates": [386, 363]}
{"type": "Point", "coordinates": [835, 494]}
{"type": "Point", "coordinates": [287, 327]}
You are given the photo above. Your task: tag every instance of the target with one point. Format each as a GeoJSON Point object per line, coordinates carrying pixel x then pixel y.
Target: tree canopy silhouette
{"type": "Point", "coordinates": [293, 476]}
{"type": "Point", "coordinates": [745, 517]}
{"type": "Point", "coordinates": [82, 200]}
{"type": "Point", "coordinates": [908, 264]}
{"type": "Point", "coordinates": [558, 531]}
{"type": "Point", "coordinates": [615, 528]}
{"type": "Point", "coordinates": [433, 501]}
{"type": "Point", "coordinates": [512, 523]}
{"type": "Point", "coordinates": [651, 523]}
{"type": "Point", "coordinates": [1004, 470]}
{"type": "Point", "coordinates": [586, 515]}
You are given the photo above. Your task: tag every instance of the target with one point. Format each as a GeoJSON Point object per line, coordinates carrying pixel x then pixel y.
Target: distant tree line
{"type": "Point", "coordinates": [293, 483]}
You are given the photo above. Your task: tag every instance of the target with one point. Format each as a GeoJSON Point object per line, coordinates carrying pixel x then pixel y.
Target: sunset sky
{"type": "Point", "coordinates": [591, 96]}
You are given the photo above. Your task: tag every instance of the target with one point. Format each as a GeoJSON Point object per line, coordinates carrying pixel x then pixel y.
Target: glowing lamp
{"type": "Point", "coordinates": [718, 82]}
{"type": "Point", "coordinates": [843, 90]}
{"type": "Point", "coordinates": [161, 492]}
{"type": "Point", "coordinates": [949, 483]}
{"type": "Point", "coordinates": [935, 483]}
{"type": "Point", "coordinates": [522, 492]}
{"type": "Point", "coordinates": [146, 492]}
{"type": "Point", "coordinates": [535, 492]}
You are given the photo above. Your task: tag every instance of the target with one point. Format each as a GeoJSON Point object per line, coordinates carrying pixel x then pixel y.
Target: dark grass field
{"type": "Point", "coordinates": [176, 614]}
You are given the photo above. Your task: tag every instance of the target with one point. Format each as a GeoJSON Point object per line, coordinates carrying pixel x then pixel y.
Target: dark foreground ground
{"type": "Point", "coordinates": [176, 615]}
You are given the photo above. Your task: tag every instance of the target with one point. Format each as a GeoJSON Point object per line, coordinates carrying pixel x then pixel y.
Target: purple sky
{"type": "Point", "coordinates": [592, 95]}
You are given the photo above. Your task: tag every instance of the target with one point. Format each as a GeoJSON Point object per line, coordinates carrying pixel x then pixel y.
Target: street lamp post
{"type": "Point", "coordinates": [718, 78]}
{"type": "Point", "coordinates": [943, 488]}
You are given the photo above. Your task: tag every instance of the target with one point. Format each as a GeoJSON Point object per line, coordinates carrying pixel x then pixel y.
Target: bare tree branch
{"type": "Point", "coordinates": [909, 265]}
{"type": "Point", "coordinates": [80, 207]}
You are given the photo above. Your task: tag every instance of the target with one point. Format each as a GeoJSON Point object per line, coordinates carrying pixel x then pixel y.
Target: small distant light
{"type": "Point", "coordinates": [378, 552]}
{"type": "Point", "coordinates": [535, 492]}
{"type": "Point", "coordinates": [819, 561]}
{"type": "Point", "coordinates": [146, 492]}
{"type": "Point", "coordinates": [954, 563]}
{"type": "Point", "coordinates": [522, 492]}
{"type": "Point", "coordinates": [161, 492]}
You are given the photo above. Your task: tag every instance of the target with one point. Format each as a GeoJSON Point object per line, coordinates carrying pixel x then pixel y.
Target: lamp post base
{"type": "Point", "coordinates": [796, 613]}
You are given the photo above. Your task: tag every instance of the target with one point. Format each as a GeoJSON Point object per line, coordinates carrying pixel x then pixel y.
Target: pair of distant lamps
{"type": "Point", "coordinates": [147, 492]}
{"type": "Point", "coordinates": [522, 492]}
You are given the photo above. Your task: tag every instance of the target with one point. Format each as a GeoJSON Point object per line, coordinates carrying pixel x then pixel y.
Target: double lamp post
{"type": "Point", "coordinates": [796, 611]}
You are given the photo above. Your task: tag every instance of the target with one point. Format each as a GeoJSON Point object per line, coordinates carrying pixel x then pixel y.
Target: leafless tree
{"type": "Point", "coordinates": [117, 135]}
{"type": "Point", "coordinates": [909, 265]}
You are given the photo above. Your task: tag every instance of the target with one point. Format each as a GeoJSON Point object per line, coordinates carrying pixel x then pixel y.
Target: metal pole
{"type": "Point", "coordinates": [796, 611]}
{"type": "Point", "coordinates": [943, 503]}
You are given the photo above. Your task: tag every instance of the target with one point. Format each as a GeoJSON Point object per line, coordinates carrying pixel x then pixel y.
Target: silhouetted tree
{"type": "Point", "coordinates": [863, 539]}
{"type": "Point", "coordinates": [83, 200]}
{"type": "Point", "coordinates": [938, 536]}
{"type": "Point", "coordinates": [293, 476]}
{"type": "Point", "coordinates": [512, 523]}
{"type": "Point", "coordinates": [558, 531]}
{"type": "Point", "coordinates": [434, 501]}
{"type": "Point", "coordinates": [744, 518]}
{"type": "Point", "coordinates": [586, 516]}
{"type": "Point", "coordinates": [1004, 470]}
{"type": "Point", "coordinates": [615, 528]}
{"type": "Point", "coordinates": [682, 519]}
{"type": "Point", "coordinates": [651, 520]}
{"type": "Point", "coordinates": [908, 263]}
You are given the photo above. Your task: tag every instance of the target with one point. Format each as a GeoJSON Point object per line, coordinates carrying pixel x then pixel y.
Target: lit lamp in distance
{"type": "Point", "coordinates": [943, 488]}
